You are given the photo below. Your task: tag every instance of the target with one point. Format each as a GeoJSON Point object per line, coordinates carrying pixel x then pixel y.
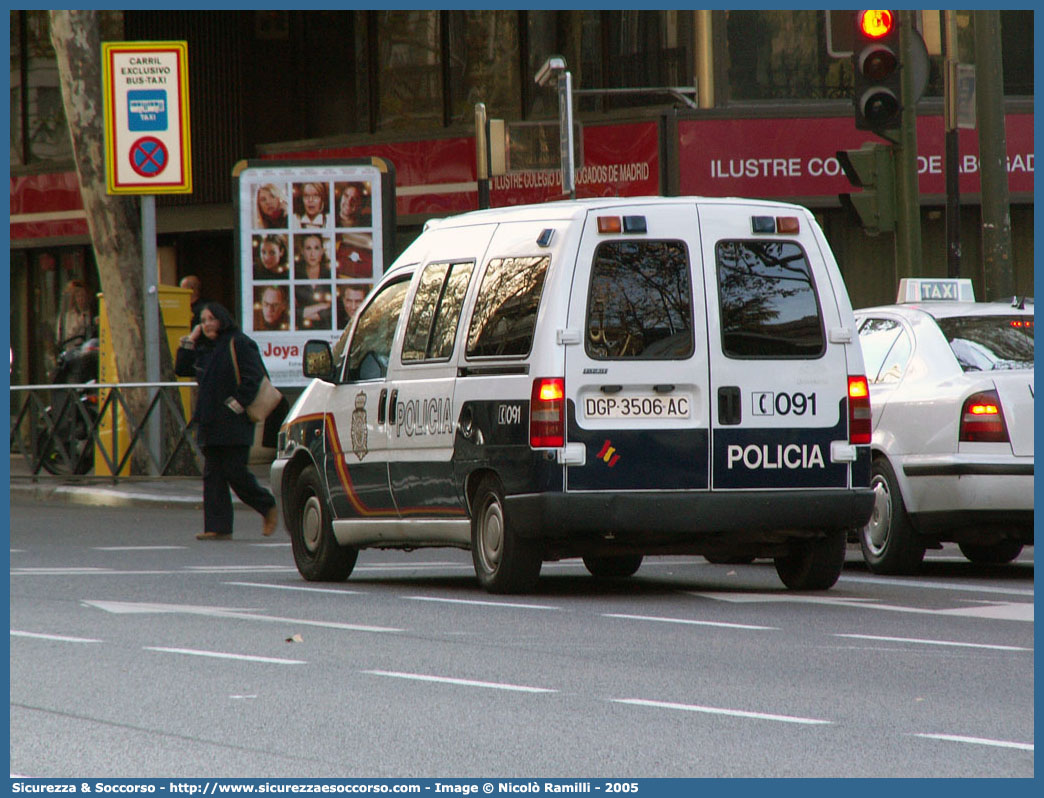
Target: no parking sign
{"type": "Point", "coordinates": [146, 118]}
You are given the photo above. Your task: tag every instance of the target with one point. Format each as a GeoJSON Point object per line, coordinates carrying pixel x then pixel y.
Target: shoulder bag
{"type": "Point", "coordinates": [268, 396]}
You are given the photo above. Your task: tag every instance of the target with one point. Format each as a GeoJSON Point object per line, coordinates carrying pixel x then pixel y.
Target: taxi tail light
{"type": "Point", "coordinates": [859, 424]}
{"type": "Point", "coordinates": [982, 419]}
{"type": "Point", "coordinates": [547, 413]}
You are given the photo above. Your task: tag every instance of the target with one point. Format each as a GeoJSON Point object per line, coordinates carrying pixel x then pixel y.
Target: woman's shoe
{"type": "Point", "coordinates": [270, 523]}
{"type": "Point", "coordinates": [214, 536]}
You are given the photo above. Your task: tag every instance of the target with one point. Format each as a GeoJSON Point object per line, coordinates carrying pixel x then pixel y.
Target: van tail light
{"type": "Point", "coordinates": [547, 413]}
{"type": "Point", "coordinates": [982, 419]}
{"type": "Point", "coordinates": [859, 424]}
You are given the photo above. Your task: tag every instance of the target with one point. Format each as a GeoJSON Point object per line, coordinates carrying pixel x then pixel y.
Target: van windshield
{"type": "Point", "coordinates": [990, 343]}
{"type": "Point", "coordinates": [640, 302]}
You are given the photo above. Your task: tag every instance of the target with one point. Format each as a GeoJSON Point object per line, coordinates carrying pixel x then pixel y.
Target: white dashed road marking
{"type": "Point", "coordinates": [735, 713]}
{"type": "Point", "coordinates": [421, 677]}
{"type": "Point", "coordinates": [956, 738]}
{"type": "Point", "coordinates": [225, 655]}
{"type": "Point", "coordinates": [60, 638]}
{"type": "Point", "coordinates": [934, 642]}
{"type": "Point", "coordinates": [690, 622]}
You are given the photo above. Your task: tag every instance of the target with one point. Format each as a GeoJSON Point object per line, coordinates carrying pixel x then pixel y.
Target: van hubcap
{"type": "Point", "coordinates": [491, 539]}
{"type": "Point", "coordinates": [311, 523]}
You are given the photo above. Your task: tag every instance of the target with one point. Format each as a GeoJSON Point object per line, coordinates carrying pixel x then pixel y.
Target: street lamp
{"type": "Point", "coordinates": [555, 67]}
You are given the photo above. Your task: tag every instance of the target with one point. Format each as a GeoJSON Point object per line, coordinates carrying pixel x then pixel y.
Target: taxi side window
{"type": "Point", "coordinates": [639, 305]}
{"type": "Point", "coordinates": [886, 349]}
{"type": "Point", "coordinates": [769, 305]}
{"type": "Point", "coordinates": [504, 318]}
{"type": "Point", "coordinates": [432, 327]}
{"type": "Point", "coordinates": [370, 347]}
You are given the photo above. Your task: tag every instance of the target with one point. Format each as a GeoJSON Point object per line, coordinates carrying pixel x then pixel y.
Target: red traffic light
{"type": "Point", "coordinates": [875, 24]}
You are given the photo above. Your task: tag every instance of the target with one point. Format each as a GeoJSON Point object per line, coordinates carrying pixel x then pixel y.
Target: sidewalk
{"type": "Point", "coordinates": [184, 492]}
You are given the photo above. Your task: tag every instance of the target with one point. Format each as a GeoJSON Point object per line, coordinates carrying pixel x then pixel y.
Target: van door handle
{"type": "Point", "coordinates": [611, 388]}
{"type": "Point", "coordinates": [730, 406]}
{"type": "Point", "coordinates": [391, 406]}
{"type": "Point", "coordinates": [381, 407]}
{"type": "Point", "coordinates": [663, 388]}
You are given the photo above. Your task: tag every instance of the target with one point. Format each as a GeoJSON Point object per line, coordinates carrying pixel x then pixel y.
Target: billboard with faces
{"type": "Point", "coordinates": [312, 238]}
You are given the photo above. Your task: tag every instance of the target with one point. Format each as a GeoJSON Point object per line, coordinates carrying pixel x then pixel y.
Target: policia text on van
{"type": "Point", "coordinates": [599, 378]}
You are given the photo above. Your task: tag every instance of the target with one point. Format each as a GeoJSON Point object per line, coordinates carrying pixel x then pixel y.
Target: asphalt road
{"type": "Point", "coordinates": [138, 651]}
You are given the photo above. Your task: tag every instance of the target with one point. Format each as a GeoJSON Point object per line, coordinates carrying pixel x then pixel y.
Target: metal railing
{"type": "Point", "coordinates": [88, 429]}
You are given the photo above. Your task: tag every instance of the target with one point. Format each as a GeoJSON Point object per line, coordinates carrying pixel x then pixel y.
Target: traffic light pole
{"type": "Point", "coordinates": [908, 207]}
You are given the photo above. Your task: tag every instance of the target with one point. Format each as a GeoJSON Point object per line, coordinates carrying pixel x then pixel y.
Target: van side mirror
{"type": "Point", "coordinates": [318, 361]}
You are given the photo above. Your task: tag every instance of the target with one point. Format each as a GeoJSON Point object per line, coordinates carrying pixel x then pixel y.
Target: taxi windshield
{"type": "Point", "coordinates": [989, 343]}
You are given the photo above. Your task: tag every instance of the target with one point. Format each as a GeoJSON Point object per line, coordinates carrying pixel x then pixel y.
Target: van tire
{"type": "Point", "coordinates": [613, 566]}
{"type": "Point", "coordinates": [999, 553]}
{"type": "Point", "coordinates": [504, 561]}
{"type": "Point", "coordinates": [813, 564]}
{"type": "Point", "coordinates": [889, 541]}
{"type": "Point", "coordinates": [318, 555]}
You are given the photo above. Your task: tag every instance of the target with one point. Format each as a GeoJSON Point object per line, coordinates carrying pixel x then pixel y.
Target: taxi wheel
{"type": "Point", "coordinates": [504, 562]}
{"type": "Point", "coordinates": [620, 565]}
{"type": "Point", "coordinates": [996, 554]}
{"type": "Point", "coordinates": [813, 564]}
{"type": "Point", "coordinates": [318, 555]}
{"type": "Point", "coordinates": [889, 542]}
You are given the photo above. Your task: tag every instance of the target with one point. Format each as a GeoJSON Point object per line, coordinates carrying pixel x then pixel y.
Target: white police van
{"type": "Point", "coordinates": [606, 378]}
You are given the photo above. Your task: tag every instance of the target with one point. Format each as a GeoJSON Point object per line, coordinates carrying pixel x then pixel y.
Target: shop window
{"type": "Point", "coordinates": [483, 58]}
{"type": "Point", "coordinates": [410, 70]}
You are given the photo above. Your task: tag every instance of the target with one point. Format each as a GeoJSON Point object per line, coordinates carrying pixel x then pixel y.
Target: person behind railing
{"type": "Point", "coordinates": [76, 322]}
{"type": "Point", "coordinates": [227, 384]}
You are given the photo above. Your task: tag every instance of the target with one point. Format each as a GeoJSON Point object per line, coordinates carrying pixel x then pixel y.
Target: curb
{"type": "Point", "coordinates": [97, 496]}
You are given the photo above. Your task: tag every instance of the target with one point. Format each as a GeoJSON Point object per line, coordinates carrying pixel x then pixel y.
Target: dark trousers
{"type": "Point", "coordinates": [225, 467]}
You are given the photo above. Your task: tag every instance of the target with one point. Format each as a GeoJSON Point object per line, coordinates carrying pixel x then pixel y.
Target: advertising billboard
{"type": "Point", "coordinates": [312, 238]}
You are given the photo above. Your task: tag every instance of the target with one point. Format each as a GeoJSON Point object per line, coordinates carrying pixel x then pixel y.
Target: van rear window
{"type": "Point", "coordinates": [769, 307]}
{"type": "Point", "coordinates": [504, 317]}
{"type": "Point", "coordinates": [640, 302]}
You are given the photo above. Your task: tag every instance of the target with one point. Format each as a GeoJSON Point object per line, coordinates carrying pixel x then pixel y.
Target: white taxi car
{"type": "Point", "coordinates": [951, 397]}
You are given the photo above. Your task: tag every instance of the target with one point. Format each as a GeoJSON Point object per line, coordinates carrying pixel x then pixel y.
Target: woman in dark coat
{"type": "Point", "coordinates": [224, 430]}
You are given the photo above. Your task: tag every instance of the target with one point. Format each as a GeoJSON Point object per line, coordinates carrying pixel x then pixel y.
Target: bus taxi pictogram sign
{"type": "Point", "coordinates": [147, 149]}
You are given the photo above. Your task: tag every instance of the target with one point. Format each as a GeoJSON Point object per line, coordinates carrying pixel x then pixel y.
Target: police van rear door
{"type": "Point", "coordinates": [778, 385]}
{"type": "Point", "coordinates": [636, 364]}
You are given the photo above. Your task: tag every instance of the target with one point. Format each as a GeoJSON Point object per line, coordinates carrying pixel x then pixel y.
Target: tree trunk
{"type": "Point", "coordinates": [114, 221]}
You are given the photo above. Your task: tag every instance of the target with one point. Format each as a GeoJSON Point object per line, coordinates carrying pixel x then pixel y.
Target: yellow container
{"type": "Point", "coordinates": [176, 311]}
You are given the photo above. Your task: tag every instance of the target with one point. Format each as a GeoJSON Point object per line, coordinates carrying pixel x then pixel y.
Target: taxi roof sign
{"type": "Point", "coordinates": [935, 289]}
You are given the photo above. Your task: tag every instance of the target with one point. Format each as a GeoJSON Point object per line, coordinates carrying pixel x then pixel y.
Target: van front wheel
{"type": "Point", "coordinates": [813, 564]}
{"type": "Point", "coordinates": [504, 561]}
{"type": "Point", "coordinates": [318, 556]}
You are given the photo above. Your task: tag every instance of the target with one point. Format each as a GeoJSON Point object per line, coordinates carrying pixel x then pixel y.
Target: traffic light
{"type": "Point", "coordinates": [875, 61]}
{"type": "Point", "coordinates": [872, 168]}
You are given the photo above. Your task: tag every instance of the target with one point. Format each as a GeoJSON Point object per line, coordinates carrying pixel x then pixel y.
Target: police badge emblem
{"type": "Point", "coordinates": [359, 426]}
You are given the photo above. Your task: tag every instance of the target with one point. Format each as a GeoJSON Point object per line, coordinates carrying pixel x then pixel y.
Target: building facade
{"type": "Point", "coordinates": [762, 111]}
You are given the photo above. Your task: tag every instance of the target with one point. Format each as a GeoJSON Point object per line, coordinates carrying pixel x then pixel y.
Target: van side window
{"type": "Point", "coordinates": [769, 306]}
{"type": "Point", "coordinates": [639, 305]}
{"type": "Point", "coordinates": [506, 308]}
{"type": "Point", "coordinates": [432, 327]}
{"type": "Point", "coordinates": [370, 347]}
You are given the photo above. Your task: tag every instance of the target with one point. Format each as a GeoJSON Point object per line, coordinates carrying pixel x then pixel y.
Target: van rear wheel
{"type": "Point", "coordinates": [613, 566]}
{"type": "Point", "coordinates": [998, 553]}
{"type": "Point", "coordinates": [813, 564]}
{"type": "Point", "coordinates": [504, 561]}
{"type": "Point", "coordinates": [317, 554]}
